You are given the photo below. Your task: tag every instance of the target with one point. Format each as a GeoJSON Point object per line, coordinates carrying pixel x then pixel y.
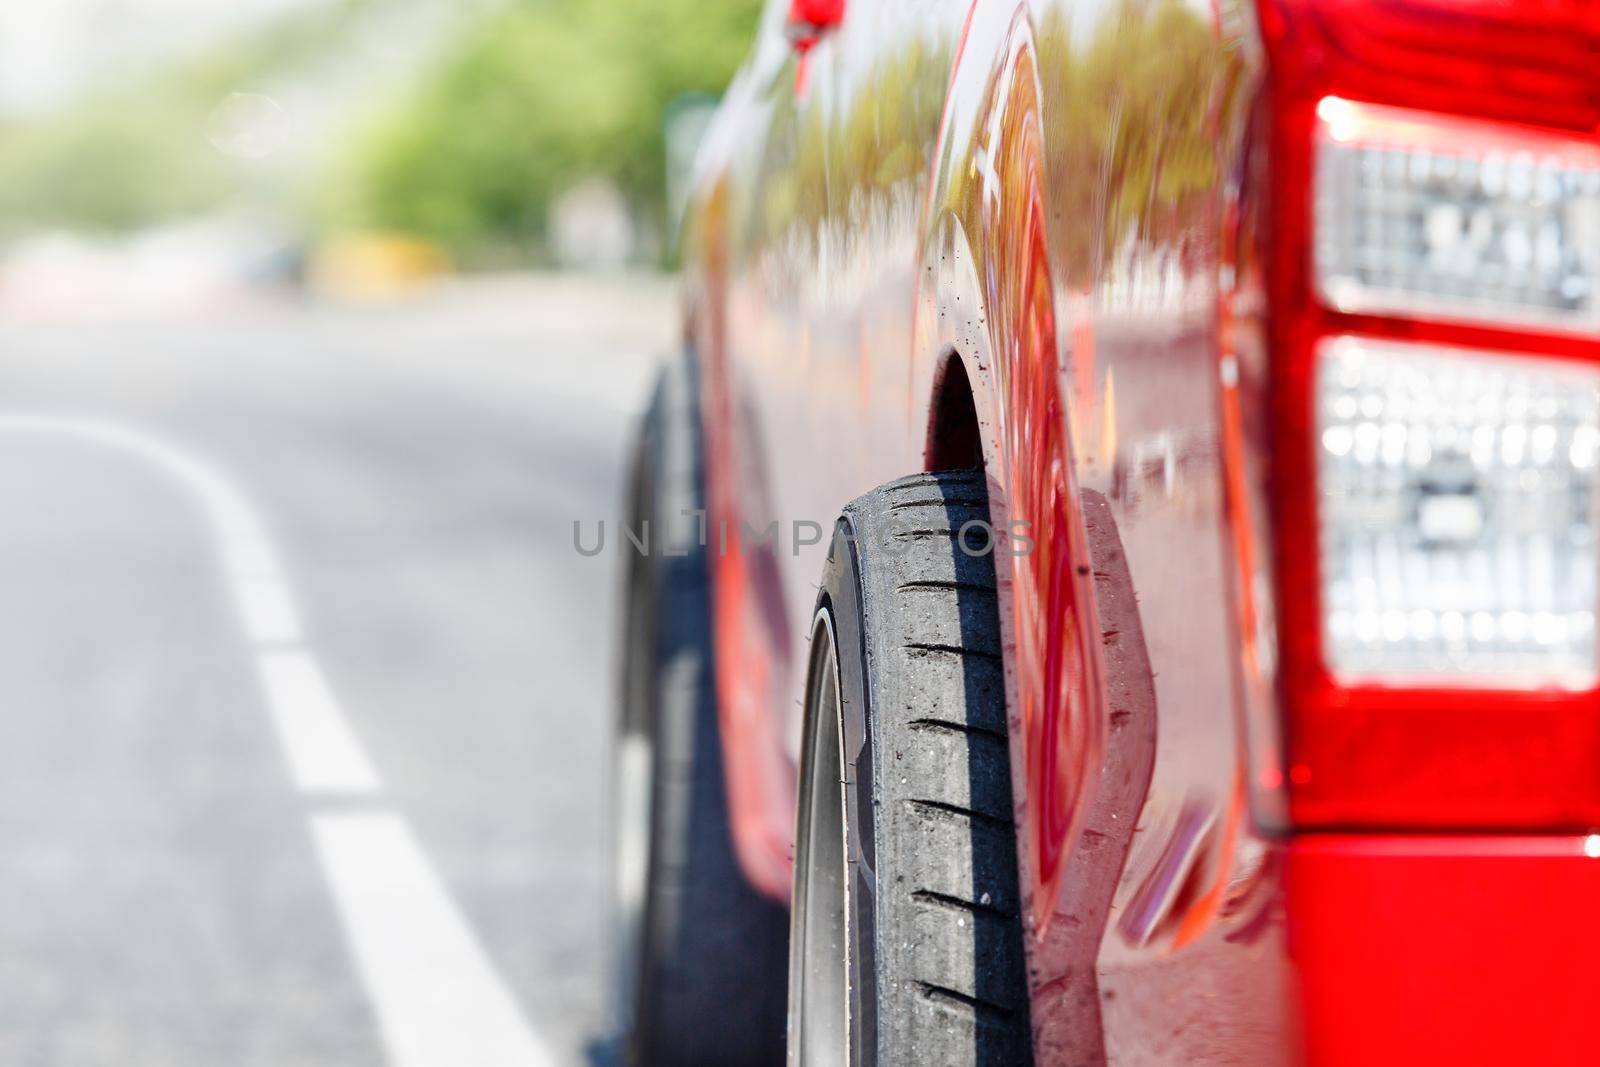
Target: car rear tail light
{"type": "Point", "coordinates": [1432, 272]}
{"type": "Point", "coordinates": [1456, 515]}
{"type": "Point", "coordinates": [1446, 217]}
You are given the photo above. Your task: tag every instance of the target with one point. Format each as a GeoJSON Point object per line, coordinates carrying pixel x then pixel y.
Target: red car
{"type": "Point", "coordinates": [1211, 676]}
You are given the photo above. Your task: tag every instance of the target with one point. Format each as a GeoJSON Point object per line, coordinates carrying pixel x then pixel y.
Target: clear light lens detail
{"type": "Point", "coordinates": [1457, 510]}
{"type": "Point", "coordinates": [1424, 215]}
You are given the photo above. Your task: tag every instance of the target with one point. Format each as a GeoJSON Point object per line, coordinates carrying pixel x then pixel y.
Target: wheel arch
{"type": "Point", "coordinates": [989, 306]}
{"type": "Point", "coordinates": [955, 432]}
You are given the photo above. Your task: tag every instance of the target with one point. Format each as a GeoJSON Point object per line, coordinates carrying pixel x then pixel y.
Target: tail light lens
{"type": "Point", "coordinates": [1456, 516]}
{"type": "Point", "coordinates": [1433, 242]}
{"type": "Point", "coordinates": [1420, 214]}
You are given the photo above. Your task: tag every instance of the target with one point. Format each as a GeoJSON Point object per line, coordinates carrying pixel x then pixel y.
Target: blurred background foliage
{"type": "Point", "coordinates": [510, 104]}
{"type": "Point", "coordinates": [123, 156]}
{"type": "Point", "coordinates": [538, 97]}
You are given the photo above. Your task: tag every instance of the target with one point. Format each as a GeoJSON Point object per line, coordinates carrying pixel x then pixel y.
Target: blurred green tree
{"type": "Point", "coordinates": [135, 153]}
{"type": "Point", "coordinates": [540, 95]}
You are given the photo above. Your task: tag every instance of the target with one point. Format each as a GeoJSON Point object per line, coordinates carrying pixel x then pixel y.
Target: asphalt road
{"type": "Point", "coordinates": [360, 823]}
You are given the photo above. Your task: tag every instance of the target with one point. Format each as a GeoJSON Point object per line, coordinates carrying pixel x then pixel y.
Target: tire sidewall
{"type": "Point", "coordinates": [842, 601]}
{"type": "Point", "coordinates": [932, 933]}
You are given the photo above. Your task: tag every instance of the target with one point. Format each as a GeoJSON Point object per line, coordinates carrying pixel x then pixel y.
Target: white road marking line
{"type": "Point", "coordinates": [322, 750]}
{"type": "Point", "coordinates": [250, 557]}
{"type": "Point", "coordinates": [266, 611]}
{"type": "Point", "coordinates": [438, 995]}
{"type": "Point", "coordinates": [438, 998]}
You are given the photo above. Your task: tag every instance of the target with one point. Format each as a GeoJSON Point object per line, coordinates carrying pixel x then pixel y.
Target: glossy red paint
{"type": "Point", "coordinates": [760, 778]}
{"type": "Point", "coordinates": [1053, 671]}
{"type": "Point", "coordinates": [761, 781]}
{"type": "Point", "coordinates": [964, 160]}
{"type": "Point", "coordinates": [1100, 211]}
{"type": "Point", "coordinates": [1458, 950]}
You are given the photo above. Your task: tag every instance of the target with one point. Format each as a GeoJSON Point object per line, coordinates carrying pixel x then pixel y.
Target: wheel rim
{"type": "Point", "coordinates": [819, 987]}
{"type": "Point", "coordinates": [632, 796]}
{"type": "Point", "coordinates": [630, 868]}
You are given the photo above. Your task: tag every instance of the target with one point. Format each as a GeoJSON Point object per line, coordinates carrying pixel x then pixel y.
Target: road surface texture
{"type": "Point", "coordinates": [305, 687]}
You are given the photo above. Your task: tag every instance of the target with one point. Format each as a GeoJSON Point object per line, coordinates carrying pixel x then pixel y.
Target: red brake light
{"type": "Point", "coordinates": [1429, 318]}
{"type": "Point", "coordinates": [1519, 60]}
{"type": "Point", "coordinates": [816, 15]}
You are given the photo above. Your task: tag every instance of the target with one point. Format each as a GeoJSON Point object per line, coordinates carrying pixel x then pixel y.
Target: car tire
{"type": "Point", "coordinates": [906, 937]}
{"type": "Point", "coordinates": [698, 953]}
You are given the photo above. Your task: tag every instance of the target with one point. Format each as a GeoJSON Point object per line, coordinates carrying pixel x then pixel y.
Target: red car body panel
{"type": "Point", "coordinates": [1445, 950]}
{"type": "Point", "coordinates": [1066, 197]}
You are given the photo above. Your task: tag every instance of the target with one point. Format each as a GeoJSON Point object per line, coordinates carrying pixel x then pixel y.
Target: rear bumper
{"type": "Point", "coordinates": [1445, 950]}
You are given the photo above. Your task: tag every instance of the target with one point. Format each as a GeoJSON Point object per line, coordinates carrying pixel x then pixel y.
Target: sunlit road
{"type": "Point", "coordinates": [176, 886]}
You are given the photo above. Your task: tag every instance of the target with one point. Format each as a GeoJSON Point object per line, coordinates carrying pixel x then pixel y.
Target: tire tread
{"type": "Point", "coordinates": [952, 985]}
